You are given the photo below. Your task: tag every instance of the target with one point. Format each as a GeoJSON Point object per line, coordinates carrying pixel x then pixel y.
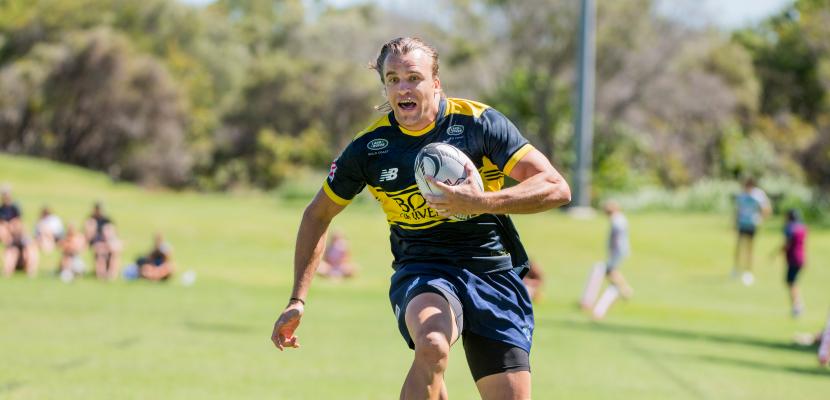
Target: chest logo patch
{"type": "Point", "coordinates": [455, 130]}
{"type": "Point", "coordinates": [377, 144]}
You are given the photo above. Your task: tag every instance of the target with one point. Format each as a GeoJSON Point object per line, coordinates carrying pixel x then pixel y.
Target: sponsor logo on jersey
{"type": "Point", "coordinates": [455, 130]}
{"type": "Point", "coordinates": [377, 144]}
{"type": "Point", "coordinates": [332, 170]}
{"type": "Point", "coordinates": [412, 207]}
{"type": "Point", "coordinates": [388, 174]}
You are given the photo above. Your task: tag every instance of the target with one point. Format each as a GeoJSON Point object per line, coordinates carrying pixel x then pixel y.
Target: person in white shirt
{"type": "Point", "coordinates": [48, 230]}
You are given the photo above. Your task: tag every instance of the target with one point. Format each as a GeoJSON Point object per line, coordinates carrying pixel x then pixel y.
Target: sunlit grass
{"type": "Point", "coordinates": [690, 331]}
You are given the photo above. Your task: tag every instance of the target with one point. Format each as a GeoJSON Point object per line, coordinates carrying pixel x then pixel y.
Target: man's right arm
{"type": "Point", "coordinates": [311, 240]}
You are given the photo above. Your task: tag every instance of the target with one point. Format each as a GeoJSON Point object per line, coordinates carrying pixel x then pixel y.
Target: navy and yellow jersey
{"type": "Point", "coordinates": [382, 157]}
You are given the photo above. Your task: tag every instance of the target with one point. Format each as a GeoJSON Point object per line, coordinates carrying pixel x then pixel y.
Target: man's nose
{"type": "Point", "coordinates": [404, 87]}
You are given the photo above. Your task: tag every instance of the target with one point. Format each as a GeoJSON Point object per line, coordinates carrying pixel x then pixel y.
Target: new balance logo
{"type": "Point", "coordinates": [388, 174]}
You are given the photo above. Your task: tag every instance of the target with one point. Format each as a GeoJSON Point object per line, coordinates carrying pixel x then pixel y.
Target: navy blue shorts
{"type": "Point", "coordinates": [792, 272]}
{"type": "Point", "coordinates": [748, 231]}
{"type": "Point", "coordinates": [494, 305]}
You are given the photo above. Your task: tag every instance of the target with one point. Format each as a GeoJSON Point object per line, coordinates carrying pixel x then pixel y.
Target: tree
{"type": "Point", "coordinates": [792, 56]}
{"type": "Point", "coordinates": [90, 101]}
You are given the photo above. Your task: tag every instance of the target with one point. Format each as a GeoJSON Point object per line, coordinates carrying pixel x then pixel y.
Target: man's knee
{"type": "Point", "coordinates": [432, 347]}
{"type": "Point", "coordinates": [429, 320]}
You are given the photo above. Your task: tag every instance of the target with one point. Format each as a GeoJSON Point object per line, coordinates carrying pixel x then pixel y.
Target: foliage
{"type": "Point", "coordinates": [717, 196]}
{"type": "Point", "coordinates": [89, 100]}
{"type": "Point", "coordinates": [224, 95]}
{"type": "Point", "coordinates": [791, 55]}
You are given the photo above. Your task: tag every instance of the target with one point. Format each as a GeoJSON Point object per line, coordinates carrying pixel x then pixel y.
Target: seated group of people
{"type": "Point", "coordinates": [21, 253]}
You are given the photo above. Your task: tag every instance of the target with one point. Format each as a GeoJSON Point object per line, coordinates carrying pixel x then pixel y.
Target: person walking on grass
{"type": "Point", "coordinates": [618, 249]}
{"type": "Point", "coordinates": [751, 206]}
{"type": "Point", "coordinates": [795, 236]}
{"type": "Point", "coordinates": [452, 279]}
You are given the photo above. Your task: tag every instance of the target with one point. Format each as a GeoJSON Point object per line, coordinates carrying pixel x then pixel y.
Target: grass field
{"type": "Point", "coordinates": [689, 333]}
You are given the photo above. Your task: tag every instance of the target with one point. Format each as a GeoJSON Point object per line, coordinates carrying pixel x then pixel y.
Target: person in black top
{"type": "Point", "coordinates": [9, 211]}
{"type": "Point", "coordinates": [21, 252]}
{"type": "Point", "coordinates": [157, 265]}
{"type": "Point", "coordinates": [104, 243]}
{"type": "Point", "coordinates": [451, 278]}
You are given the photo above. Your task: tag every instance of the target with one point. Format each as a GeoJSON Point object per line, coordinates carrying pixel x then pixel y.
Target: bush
{"type": "Point", "coordinates": [718, 196]}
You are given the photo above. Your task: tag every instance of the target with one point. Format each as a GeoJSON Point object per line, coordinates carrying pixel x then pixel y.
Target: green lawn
{"type": "Point", "coordinates": [689, 333]}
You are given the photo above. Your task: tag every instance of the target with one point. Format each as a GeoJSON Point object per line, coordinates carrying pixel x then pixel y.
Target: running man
{"type": "Point", "coordinates": [451, 278]}
{"type": "Point", "coordinates": [751, 206]}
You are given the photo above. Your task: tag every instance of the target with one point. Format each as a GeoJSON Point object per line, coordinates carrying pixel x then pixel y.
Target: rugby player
{"type": "Point", "coordinates": [451, 278]}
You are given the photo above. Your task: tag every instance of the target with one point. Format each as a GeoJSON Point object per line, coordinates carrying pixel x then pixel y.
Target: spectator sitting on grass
{"type": "Point", "coordinates": [534, 280]}
{"type": "Point", "coordinates": [9, 211]}
{"type": "Point", "coordinates": [72, 265]}
{"type": "Point", "coordinates": [20, 253]}
{"type": "Point", "coordinates": [336, 262]}
{"type": "Point", "coordinates": [48, 230]}
{"type": "Point", "coordinates": [105, 245]}
{"type": "Point", "coordinates": [157, 265]}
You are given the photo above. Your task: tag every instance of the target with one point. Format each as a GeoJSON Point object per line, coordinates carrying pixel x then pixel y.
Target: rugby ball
{"type": "Point", "coordinates": [445, 163]}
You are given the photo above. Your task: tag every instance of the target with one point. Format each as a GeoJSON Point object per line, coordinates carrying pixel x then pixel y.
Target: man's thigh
{"type": "Point", "coordinates": [431, 312]}
{"type": "Point", "coordinates": [504, 386]}
{"type": "Point", "coordinates": [418, 298]}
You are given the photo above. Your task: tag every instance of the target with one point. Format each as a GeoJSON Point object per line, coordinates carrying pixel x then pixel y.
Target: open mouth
{"type": "Point", "coordinates": [407, 105]}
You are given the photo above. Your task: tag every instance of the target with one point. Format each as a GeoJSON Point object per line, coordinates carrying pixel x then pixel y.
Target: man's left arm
{"type": "Point", "coordinates": [540, 188]}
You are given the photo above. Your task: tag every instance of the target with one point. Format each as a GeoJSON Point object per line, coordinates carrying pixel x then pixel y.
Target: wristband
{"type": "Point", "coordinates": [297, 299]}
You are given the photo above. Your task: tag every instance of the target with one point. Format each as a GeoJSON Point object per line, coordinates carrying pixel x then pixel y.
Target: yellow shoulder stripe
{"type": "Point", "coordinates": [517, 156]}
{"type": "Point", "coordinates": [381, 122]}
{"type": "Point", "coordinates": [465, 107]}
{"type": "Point", "coordinates": [334, 197]}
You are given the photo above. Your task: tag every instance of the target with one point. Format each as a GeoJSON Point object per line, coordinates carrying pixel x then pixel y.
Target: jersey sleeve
{"type": "Point", "coordinates": [345, 179]}
{"type": "Point", "coordinates": [503, 143]}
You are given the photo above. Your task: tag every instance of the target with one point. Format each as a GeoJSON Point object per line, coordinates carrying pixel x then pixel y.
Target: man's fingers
{"type": "Point", "coordinates": [289, 342]}
{"type": "Point", "coordinates": [440, 185]}
{"type": "Point", "coordinates": [283, 335]}
{"type": "Point", "coordinates": [438, 204]}
{"type": "Point", "coordinates": [277, 341]}
{"type": "Point", "coordinates": [435, 200]}
{"type": "Point", "coordinates": [282, 342]}
{"type": "Point", "coordinates": [469, 170]}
